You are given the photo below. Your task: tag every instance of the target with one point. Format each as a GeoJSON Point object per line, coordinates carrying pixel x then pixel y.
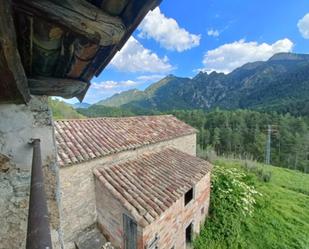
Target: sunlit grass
{"type": "Point", "coordinates": [281, 216]}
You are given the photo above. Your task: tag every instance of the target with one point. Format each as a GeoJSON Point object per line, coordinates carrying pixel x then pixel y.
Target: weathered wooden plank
{"type": "Point", "coordinates": [100, 58]}
{"type": "Point", "coordinates": [66, 88]}
{"type": "Point", "coordinates": [78, 16]}
{"type": "Point", "coordinates": [84, 53]}
{"type": "Point", "coordinates": [134, 13]}
{"type": "Point", "coordinates": [15, 71]}
{"type": "Point", "coordinates": [8, 89]}
{"type": "Point", "coordinates": [114, 7]}
{"type": "Point", "coordinates": [24, 29]}
{"type": "Point", "coordinates": [66, 55]}
{"type": "Point", "coordinates": [47, 41]}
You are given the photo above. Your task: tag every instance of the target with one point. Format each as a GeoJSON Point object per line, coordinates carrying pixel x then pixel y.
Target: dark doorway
{"type": "Point", "coordinates": [189, 234]}
{"type": "Point", "coordinates": [130, 233]}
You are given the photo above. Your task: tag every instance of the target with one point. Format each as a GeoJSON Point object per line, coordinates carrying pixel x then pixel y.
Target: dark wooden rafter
{"type": "Point", "coordinates": [66, 88]}
{"type": "Point", "coordinates": [132, 15]}
{"type": "Point", "coordinates": [63, 43]}
{"type": "Point", "coordinates": [77, 16]}
{"type": "Point", "coordinates": [47, 43]}
{"type": "Point", "coordinates": [24, 27]}
{"type": "Point", "coordinates": [12, 72]}
{"type": "Point", "coordinates": [84, 53]}
{"type": "Point", "coordinates": [113, 7]}
{"type": "Point", "coordinates": [66, 55]}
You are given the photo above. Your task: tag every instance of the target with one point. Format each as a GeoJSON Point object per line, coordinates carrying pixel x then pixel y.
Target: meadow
{"type": "Point", "coordinates": [279, 218]}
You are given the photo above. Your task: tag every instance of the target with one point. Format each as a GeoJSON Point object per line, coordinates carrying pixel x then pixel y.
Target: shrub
{"type": "Point", "coordinates": [208, 154]}
{"type": "Point", "coordinates": [252, 167]}
{"type": "Point", "coordinates": [232, 200]}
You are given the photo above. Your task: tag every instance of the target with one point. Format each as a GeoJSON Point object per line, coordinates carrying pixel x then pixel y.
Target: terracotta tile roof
{"type": "Point", "coordinates": [149, 185]}
{"type": "Point", "coordinates": [85, 139]}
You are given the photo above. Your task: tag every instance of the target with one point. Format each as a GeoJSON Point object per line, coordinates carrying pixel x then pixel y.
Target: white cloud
{"type": "Point", "coordinates": [147, 78]}
{"type": "Point", "coordinates": [303, 26]}
{"type": "Point", "coordinates": [105, 89]}
{"type": "Point", "coordinates": [133, 57]}
{"type": "Point", "coordinates": [229, 56]}
{"type": "Point", "coordinates": [213, 32]}
{"type": "Point", "coordinates": [110, 84]}
{"type": "Point", "coordinates": [167, 32]}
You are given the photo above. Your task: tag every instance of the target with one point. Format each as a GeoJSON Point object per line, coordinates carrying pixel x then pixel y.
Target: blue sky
{"type": "Point", "coordinates": [184, 37]}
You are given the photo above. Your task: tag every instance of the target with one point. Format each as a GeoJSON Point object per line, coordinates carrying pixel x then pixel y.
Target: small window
{"type": "Point", "coordinates": [189, 233]}
{"type": "Point", "coordinates": [188, 196]}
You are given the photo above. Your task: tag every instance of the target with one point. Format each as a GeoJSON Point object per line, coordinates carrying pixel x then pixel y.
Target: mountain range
{"type": "Point", "coordinates": [82, 105]}
{"type": "Point", "coordinates": [280, 84]}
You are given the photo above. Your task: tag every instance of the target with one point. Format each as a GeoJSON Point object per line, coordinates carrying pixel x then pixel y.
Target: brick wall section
{"type": "Point", "coordinates": [170, 227]}
{"type": "Point", "coordinates": [78, 187]}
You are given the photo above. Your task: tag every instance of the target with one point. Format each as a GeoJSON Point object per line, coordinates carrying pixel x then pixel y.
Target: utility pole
{"type": "Point", "coordinates": [268, 145]}
{"type": "Point", "coordinates": [271, 130]}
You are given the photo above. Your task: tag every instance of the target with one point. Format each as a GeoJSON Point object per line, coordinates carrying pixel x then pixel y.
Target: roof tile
{"type": "Point", "coordinates": [149, 185]}
{"type": "Point", "coordinates": [80, 140]}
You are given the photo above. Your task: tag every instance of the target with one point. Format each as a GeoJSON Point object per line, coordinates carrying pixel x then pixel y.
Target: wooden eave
{"type": "Point", "coordinates": [55, 47]}
{"type": "Point", "coordinates": [12, 74]}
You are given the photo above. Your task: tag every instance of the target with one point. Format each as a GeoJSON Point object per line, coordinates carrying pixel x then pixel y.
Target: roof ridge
{"type": "Point", "coordinates": [102, 118]}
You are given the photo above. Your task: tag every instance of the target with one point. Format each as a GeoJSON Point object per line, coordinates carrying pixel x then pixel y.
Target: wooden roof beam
{"type": "Point", "coordinates": [15, 71]}
{"type": "Point", "coordinates": [143, 8]}
{"type": "Point", "coordinates": [77, 16]}
{"type": "Point", "coordinates": [66, 88]}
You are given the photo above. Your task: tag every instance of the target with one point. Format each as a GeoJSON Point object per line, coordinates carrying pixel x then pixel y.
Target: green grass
{"type": "Point", "coordinates": [281, 216]}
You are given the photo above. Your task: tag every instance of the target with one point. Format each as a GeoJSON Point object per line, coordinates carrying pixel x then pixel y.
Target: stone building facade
{"type": "Point", "coordinates": [87, 145]}
{"type": "Point", "coordinates": [153, 201]}
{"type": "Point", "coordinates": [18, 125]}
{"type": "Point", "coordinates": [77, 214]}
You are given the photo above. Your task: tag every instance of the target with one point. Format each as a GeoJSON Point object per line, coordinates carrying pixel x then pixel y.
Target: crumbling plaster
{"type": "Point", "coordinates": [18, 125]}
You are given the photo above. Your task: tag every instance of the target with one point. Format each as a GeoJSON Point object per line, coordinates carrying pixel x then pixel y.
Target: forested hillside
{"type": "Point", "coordinates": [243, 134]}
{"type": "Point", "coordinates": [237, 134]}
{"type": "Point", "coordinates": [280, 84]}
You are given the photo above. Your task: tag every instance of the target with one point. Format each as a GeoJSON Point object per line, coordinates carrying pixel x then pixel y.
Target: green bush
{"type": "Point", "coordinates": [261, 173]}
{"type": "Point", "coordinates": [232, 200]}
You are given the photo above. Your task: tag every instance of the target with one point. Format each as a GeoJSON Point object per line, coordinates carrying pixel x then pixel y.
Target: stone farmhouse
{"type": "Point", "coordinates": [136, 179]}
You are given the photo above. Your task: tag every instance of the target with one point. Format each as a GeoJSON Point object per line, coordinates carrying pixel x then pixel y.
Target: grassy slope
{"type": "Point", "coordinates": [281, 217]}
{"type": "Point", "coordinates": [62, 110]}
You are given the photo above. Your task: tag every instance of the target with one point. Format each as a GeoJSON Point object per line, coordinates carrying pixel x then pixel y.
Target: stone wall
{"type": "Point", "coordinates": [78, 187]}
{"type": "Point", "coordinates": [18, 124]}
{"type": "Point", "coordinates": [171, 226]}
{"type": "Point", "coordinates": [110, 216]}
